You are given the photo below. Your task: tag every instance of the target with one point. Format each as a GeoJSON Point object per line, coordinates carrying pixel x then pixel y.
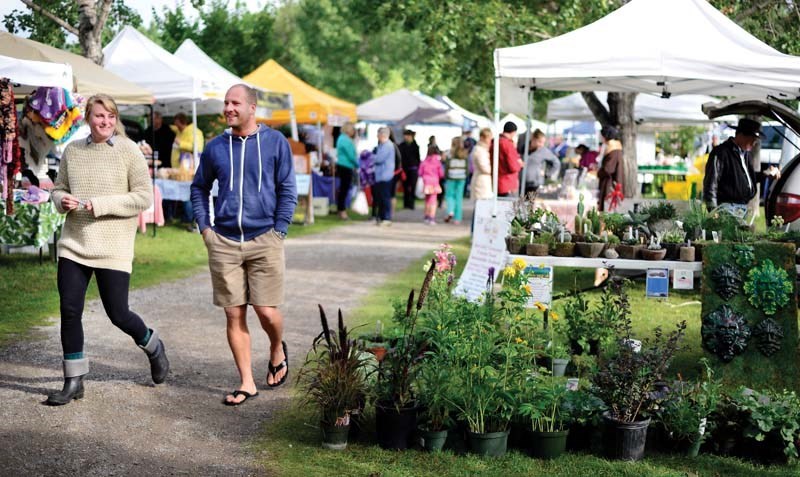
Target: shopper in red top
{"type": "Point", "coordinates": [509, 163]}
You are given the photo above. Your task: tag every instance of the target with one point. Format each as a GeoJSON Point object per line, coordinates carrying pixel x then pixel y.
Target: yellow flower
{"type": "Point", "coordinates": [519, 264]}
{"type": "Point", "coordinates": [527, 288]}
{"type": "Point", "coordinates": [439, 327]}
{"type": "Point", "coordinates": [541, 306]}
{"type": "Point", "coordinates": [554, 316]}
{"type": "Point", "coordinates": [509, 272]}
{"type": "Point", "coordinates": [518, 340]}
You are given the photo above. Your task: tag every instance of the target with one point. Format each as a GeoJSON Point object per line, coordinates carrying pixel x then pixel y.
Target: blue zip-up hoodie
{"type": "Point", "coordinates": [257, 188]}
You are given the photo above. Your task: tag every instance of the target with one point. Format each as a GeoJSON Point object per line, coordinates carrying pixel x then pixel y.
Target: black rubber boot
{"type": "Point", "coordinates": [74, 371]}
{"type": "Point", "coordinates": [159, 364]}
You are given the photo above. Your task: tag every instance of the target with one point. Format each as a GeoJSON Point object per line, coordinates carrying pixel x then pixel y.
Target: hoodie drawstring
{"type": "Point", "coordinates": [230, 150]}
{"type": "Point", "coordinates": [258, 141]}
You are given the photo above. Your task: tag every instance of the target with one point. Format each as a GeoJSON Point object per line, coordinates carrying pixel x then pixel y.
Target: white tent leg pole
{"type": "Point", "coordinates": [293, 119]}
{"type": "Point", "coordinates": [529, 136]}
{"type": "Point", "coordinates": [496, 143]}
{"type": "Point", "coordinates": [194, 134]}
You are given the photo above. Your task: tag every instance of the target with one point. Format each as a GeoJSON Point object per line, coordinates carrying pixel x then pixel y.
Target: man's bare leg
{"type": "Point", "coordinates": [239, 341]}
{"type": "Point", "coordinates": [272, 322]}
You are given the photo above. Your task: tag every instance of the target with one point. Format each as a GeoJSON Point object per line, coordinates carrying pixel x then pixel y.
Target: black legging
{"type": "Point", "coordinates": [409, 186]}
{"type": "Point", "coordinates": [345, 176]}
{"type": "Point", "coordinates": [73, 279]}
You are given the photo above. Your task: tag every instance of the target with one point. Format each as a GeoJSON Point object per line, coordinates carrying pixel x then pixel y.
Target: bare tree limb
{"type": "Point", "coordinates": [105, 10]}
{"type": "Point", "coordinates": [597, 108]}
{"type": "Point", "coordinates": [51, 16]}
{"type": "Point", "coordinates": [743, 15]}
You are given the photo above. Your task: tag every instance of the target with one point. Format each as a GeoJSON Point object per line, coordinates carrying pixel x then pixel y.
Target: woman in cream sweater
{"type": "Point", "coordinates": [102, 186]}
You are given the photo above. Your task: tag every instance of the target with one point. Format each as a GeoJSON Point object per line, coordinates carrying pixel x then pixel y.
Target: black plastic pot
{"type": "Point", "coordinates": [594, 347]}
{"type": "Point", "coordinates": [334, 437]}
{"type": "Point", "coordinates": [624, 440]}
{"type": "Point", "coordinates": [394, 427]}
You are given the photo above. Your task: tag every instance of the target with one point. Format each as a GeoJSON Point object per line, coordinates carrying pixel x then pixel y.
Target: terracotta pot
{"type": "Point", "coordinates": [378, 351]}
{"type": "Point", "coordinates": [687, 254]}
{"type": "Point", "coordinates": [537, 249]}
{"type": "Point", "coordinates": [648, 254]}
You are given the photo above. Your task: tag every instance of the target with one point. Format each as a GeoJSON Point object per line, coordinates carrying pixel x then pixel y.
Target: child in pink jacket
{"type": "Point", "coordinates": [431, 172]}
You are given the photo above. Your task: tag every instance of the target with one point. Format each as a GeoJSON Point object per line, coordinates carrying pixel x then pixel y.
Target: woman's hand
{"type": "Point", "coordinates": [69, 202]}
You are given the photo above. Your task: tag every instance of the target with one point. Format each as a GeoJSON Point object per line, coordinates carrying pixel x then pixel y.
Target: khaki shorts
{"type": "Point", "coordinates": [249, 272]}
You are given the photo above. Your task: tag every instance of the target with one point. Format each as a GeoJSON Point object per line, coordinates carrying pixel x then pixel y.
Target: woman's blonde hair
{"type": "Point", "coordinates": [486, 133]}
{"type": "Point", "coordinates": [457, 148]}
{"type": "Point", "coordinates": [108, 103]}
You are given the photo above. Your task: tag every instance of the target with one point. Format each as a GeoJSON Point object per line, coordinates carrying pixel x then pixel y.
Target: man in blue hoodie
{"type": "Point", "coordinates": [257, 197]}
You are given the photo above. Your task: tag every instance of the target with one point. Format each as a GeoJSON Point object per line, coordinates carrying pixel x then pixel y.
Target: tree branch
{"type": "Point", "coordinates": [51, 16]}
{"type": "Point", "coordinates": [105, 10]}
{"type": "Point", "coordinates": [597, 108]}
{"type": "Point", "coordinates": [743, 15]}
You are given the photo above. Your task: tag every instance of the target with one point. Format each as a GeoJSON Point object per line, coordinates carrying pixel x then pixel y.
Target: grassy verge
{"type": "Point", "coordinates": [28, 293]}
{"type": "Point", "coordinates": [292, 442]}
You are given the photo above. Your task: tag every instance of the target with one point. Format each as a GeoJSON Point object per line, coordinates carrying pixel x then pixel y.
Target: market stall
{"type": "Point", "coordinates": [635, 49]}
{"type": "Point", "coordinates": [35, 221]}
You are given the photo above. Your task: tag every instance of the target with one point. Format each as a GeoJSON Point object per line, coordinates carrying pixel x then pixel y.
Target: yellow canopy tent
{"type": "Point", "coordinates": [90, 78]}
{"type": "Point", "coordinates": [310, 104]}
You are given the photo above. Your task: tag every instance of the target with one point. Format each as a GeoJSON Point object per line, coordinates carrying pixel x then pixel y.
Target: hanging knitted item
{"type": "Point", "coordinates": [9, 144]}
{"type": "Point", "coordinates": [615, 197]}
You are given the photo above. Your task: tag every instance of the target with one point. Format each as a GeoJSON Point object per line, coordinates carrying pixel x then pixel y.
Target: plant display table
{"type": "Point", "coordinates": [31, 224]}
{"type": "Point", "coordinates": [619, 263]}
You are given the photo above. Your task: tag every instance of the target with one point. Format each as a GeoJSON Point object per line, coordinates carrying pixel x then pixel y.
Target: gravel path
{"type": "Point", "coordinates": [127, 426]}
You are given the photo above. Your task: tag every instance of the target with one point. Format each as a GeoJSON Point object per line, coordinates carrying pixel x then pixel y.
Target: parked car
{"type": "Point", "coordinates": [783, 198]}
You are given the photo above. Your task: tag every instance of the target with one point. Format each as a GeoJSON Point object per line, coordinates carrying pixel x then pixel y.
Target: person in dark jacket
{"type": "Point", "coordinates": [730, 181]}
{"type": "Point", "coordinates": [611, 170]}
{"type": "Point", "coordinates": [164, 137]}
{"type": "Point", "coordinates": [409, 153]}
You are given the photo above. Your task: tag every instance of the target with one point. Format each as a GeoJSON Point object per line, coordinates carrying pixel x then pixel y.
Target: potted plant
{"type": "Point", "coordinates": [396, 406]}
{"type": "Point", "coordinates": [334, 378]}
{"type": "Point", "coordinates": [559, 358]}
{"type": "Point", "coordinates": [435, 398]}
{"type": "Point", "coordinates": [564, 247]}
{"type": "Point", "coordinates": [612, 242]}
{"type": "Point", "coordinates": [549, 432]}
{"type": "Point", "coordinates": [660, 216]}
{"type": "Point", "coordinates": [376, 343]}
{"type": "Point", "coordinates": [629, 247]}
{"type": "Point", "coordinates": [515, 241]}
{"type": "Point", "coordinates": [673, 239]}
{"type": "Point", "coordinates": [490, 358]}
{"type": "Point", "coordinates": [772, 423]}
{"type": "Point", "coordinates": [654, 250]}
{"type": "Point", "coordinates": [694, 219]}
{"type": "Point", "coordinates": [685, 413]}
{"type": "Point", "coordinates": [540, 244]}
{"type": "Point", "coordinates": [591, 247]}
{"type": "Point", "coordinates": [584, 412]}
{"type": "Point", "coordinates": [615, 223]}
{"type": "Point", "coordinates": [579, 325]}
{"type": "Point", "coordinates": [625, 382]}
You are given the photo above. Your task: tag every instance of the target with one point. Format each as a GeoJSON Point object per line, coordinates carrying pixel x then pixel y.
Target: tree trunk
{"type": "Point", "coordinates": [620, 107]}
{"type": "Point", "coordinates": [89, 31]}
{"type": "Point", "coordinates": [620, 114]}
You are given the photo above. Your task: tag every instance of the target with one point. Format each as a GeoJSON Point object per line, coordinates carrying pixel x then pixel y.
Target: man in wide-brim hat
{"type": "Point", "coordinates": [730, 181]}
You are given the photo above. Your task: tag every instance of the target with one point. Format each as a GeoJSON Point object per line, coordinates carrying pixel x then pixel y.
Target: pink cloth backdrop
{"type": "Point", "coordinates": [155, 214]}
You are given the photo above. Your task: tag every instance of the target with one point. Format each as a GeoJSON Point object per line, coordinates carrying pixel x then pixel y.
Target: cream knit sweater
{"type": "Point", "coordinates": [115, 179]}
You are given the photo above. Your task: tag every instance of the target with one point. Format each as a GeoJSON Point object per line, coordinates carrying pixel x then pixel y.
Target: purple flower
{"type": "Point", "coordinates": [491, 272]}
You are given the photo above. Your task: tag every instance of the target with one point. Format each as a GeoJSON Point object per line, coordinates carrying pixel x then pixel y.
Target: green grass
{"type": "Point", "coordinates": [292, 442]}
{"type": "Point", "coordinates": [28, 293]}
{"type": "Point", "coordinates": [292, 445]}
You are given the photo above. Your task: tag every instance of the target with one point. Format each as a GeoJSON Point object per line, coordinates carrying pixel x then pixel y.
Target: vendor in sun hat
{"type": "Point", "coordinates": [730, 180]}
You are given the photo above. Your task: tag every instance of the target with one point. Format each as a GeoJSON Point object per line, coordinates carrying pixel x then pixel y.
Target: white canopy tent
{"type": "Point", "coordinates": [683, 109]}
{"type": "Point", "coordinates": [474, 120]}
{"type": "Point", "coordinates": [648, 46]}
{"type": "Point", "coordinates": [177, 85]}
{"type": "Point", "coordinates": [28, 74]}
{"type": "Point", "coordinates": [400, 105]}
{"type": "Point", "coordinates": [224, 79]}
